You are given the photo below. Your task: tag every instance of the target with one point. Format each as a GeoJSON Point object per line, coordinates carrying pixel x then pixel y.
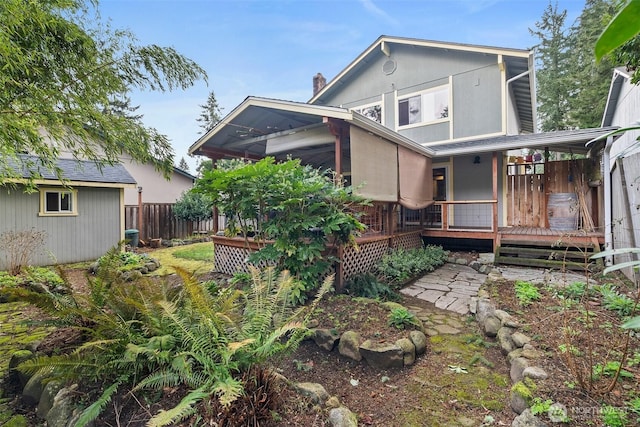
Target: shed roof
{"type": "Point", "coordinates": [77, 171]}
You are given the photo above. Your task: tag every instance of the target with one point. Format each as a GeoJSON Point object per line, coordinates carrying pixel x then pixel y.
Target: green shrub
{"type": "Point", "coordinates": [526, 293]}
{"type": "Point", "coordinates": [401, 318]}
{"type": "Point", "coordinates": [367, 285]}
{"type": "Point", "coordinates": [574, 291]}
{"type": "Point", "coordinates": [401, 265]}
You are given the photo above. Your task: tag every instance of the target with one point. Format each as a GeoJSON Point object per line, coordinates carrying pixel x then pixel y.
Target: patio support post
{"type": "Point", "coordinates": [336, 130]}
{"type": "Point", "coordinates": [140, 213]}
{"type": "Point", "coordinates": [494, 205]}
{"type": "Point", "coordinates": [608, 233]}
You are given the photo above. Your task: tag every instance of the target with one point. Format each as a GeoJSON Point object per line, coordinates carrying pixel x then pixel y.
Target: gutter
{"type": "Point", "coordinates": [608, 233]}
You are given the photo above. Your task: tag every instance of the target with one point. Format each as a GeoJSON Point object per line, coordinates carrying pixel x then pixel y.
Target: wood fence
{"type": "Point", "coordinates": [158, 221]}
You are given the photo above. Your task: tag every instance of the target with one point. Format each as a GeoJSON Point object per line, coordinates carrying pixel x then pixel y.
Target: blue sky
{"type": "Point", "coordinates": [273, 48]}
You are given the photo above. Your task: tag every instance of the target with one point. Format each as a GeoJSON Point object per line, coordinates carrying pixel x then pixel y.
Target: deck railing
{"type": "Point", "coordinates": [462, 215]}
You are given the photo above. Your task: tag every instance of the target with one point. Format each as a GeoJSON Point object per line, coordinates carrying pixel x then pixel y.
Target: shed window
{"type": "Point", "coordinates": [424, 107]}
{"type": "Point", "coordinates": [57, 202]}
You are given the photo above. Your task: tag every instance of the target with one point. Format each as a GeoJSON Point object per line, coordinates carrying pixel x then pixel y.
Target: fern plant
{"type": "Point", "coordinates": [141, 336]}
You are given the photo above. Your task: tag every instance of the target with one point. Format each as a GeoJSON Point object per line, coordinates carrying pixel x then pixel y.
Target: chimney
{"type": "Point", "coordinates": [318, 83]}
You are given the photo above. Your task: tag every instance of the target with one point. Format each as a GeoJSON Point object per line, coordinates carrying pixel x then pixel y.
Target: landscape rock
{"type": "Point", "coordinates": [326, 338]}
{"type": "Point", "coordinates": [484, 309]}
{"type": "Point", "coordinates": [527, 419]}
{"type": "Point", "coordinates": [419, 340]}
{"type": "Point", "coordinates": [333, 402]}
{"type": "Point", "coordinates": [535, 373]}
{"type": "Point", "coordinates": [342, 417]}
{"type": "Point", "coordinates": [504, 339]}
{"type": "Point", "coordinates": [520, 397]}
{"type": "Point", "coordinates": [491, 325]}
{"type": "Point", "coordinates": [520, 339]}
{"type": "Point", "coordinates": [408, 351]}
{"type": "Point", "coordinates": [349, 345]}
{"type": "Point", "coordinates": [316, 392]}
{"type": "Point", "coordinates": [33, 390]}
{"type": "Point", "coordinates": [16, 377]}
{"type": "Point", "coordinates": [506, 319]}
{"type": "Point", "coordinates": [63, 406]}
{"type": "Point", "coordinates": [49, 393]}
{"type": "Point", "coordinates": [518, 365]}
{"type": "Point", "coordinates": [382, 356]}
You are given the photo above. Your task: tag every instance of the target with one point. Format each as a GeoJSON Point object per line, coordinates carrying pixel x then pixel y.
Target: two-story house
{"type": "Point", "coordinates": [441, 137]}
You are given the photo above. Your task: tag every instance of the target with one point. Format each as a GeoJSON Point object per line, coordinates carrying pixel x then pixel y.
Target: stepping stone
{"type": "Point", "coordinates": [412, 291]}
{"type": "Point", "coordinates": [446, 329]}
{"type": "Point", "coordinates": [444, 301]}
{"type": "Point", "coordinates": [433, 286]}
{"type": "Point", "coordinates": [431, 296]}
{"type": "Point", "coordinates": [460, 306]}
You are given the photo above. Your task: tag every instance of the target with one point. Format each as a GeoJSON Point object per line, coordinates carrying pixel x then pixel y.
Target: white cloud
{"type": "Point", "coordinates": [376, 11]}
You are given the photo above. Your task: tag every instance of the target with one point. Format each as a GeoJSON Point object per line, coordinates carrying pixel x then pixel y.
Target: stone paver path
{"type": "Point", "coordinates": [450, 287]}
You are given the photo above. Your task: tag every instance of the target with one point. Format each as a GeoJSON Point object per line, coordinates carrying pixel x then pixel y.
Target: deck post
{"type": "Point", "coordinates": [494, 206]}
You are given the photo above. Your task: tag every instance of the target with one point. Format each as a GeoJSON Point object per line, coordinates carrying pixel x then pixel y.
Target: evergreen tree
{"type": "Point", "coordinates": [591, 80]}
{"type": "Point", "coordinates": [211, 113]}
{"type": "Point", "coordinates": [552, 55]}
{"type": "Point", "coordinates": [183, 165]}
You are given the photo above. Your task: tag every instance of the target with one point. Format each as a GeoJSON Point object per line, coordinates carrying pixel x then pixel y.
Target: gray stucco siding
{"type": "Point", "coordinates": [476, 90]}
{"type": "Point", "coordinates": [474, 182]}
{"type": "Point", "coordinates": [82, 237]}
{"type": "Point", "coordinates": [477, 101]}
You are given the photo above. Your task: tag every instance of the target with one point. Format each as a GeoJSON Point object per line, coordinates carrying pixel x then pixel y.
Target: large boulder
{"type": "Point", "coordinates": [316, 392]}
{"type": "Point", "coordinates": [349, 345]}
{"type": "Point", "coordinates": [382, 355]}
{"type": "Point", "coordinates": [342, 417]}
{"type": "Point", "coordinates": [419, 340]}
{"type": "Point", "coordinates": [408, 351]}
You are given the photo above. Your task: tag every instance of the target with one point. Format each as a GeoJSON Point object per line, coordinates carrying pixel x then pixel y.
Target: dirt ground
{"type": "Point", "coordinates": [428, 393]}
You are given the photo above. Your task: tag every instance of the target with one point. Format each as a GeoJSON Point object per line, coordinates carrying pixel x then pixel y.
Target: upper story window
{"type": "Point", "coordinates": [424, 107]}
{"type": "Point", "coordinates": [371, 111]}
{"type": "Point", "coordinates": [58, 202]}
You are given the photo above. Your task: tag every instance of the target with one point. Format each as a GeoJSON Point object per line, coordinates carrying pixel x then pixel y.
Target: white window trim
{"type": "Point", "coordinates": [421, 93]}
{"type": "Point", "coordinates": [372, 104]}
{"type": "Point", "coordinates": [74, 201]}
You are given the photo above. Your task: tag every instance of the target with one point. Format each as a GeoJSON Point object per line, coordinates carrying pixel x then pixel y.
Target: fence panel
{"type": "Point", "coordinates": [158, 221]}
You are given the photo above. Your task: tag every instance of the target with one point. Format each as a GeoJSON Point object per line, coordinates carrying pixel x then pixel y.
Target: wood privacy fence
{"type": "Point", "coordinates": [158, 221]}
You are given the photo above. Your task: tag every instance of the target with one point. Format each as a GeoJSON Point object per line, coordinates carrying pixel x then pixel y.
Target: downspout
{"type": "Point", "coordinates": [608, 214]}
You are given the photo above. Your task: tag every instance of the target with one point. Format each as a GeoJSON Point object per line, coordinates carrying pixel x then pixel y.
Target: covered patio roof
{"type": "Point", "coordinates": [568, 141]}
{"type": "Point", "coordinates": [261, 126]}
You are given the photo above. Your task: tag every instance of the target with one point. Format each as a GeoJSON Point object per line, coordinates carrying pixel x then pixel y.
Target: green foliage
{"type": "Point", "coordinates": [574, 291]}
{"type": "Point", "coordinates": [540, 406]}
{"type": "Point", "coordinates": [63, 72]}
{"type": "Point", "coordinates": [616, 301]}
{"type": "Point", "coordinates": [613, 416]}
{"type": "Point", "coordinates": [526, 293]}
{"type": "Point", "coordinates": [552, 55]}
{"type": "Point", "coordinates": [296, 213]}
{"type": "Point", "coordinates": [367, 285]}
{"type": "Point", "coordinates": [192, 206]}
{"type": "Point", "coordinates": [144, 336]}
{"type": "Point", "coordinates": [610, 369]}
{"type": "Point", "coordinates": [620, 33]}
{"type": "Point", "coordinates": [401, 318]}
{"type": "Point", "coordinates": [401, 265]}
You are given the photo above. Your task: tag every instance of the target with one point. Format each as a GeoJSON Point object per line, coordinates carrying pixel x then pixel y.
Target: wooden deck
{"type": "Point", "coordinates": [537, 236]}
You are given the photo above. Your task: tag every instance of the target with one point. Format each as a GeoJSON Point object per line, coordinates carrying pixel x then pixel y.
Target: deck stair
{"type": "Point", "coordinates": [546, 254]}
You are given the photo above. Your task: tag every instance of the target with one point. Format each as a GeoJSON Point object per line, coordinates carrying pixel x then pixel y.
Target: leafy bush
{"type": "Point", "coordinates": [296, 213]}
{"type": "Point", "coordinates": [122, 261]}
{"type": "Point", "coordinates": [38, 279]}
{"type": "Point", "coordinates": [401, 318]}
{"type": "Point", "coordinates": [144, 336]}
{"type": "Point", "coordinates": [526, 293]}
{"type": "Point", "coordinates": [574, 291]}
{"type": "Point", "coordinates": [192, 206]}
{"type": "Point", "coordinates": [401, 265]}
{"type": "Point", "coordinates": [616, 301]}
{"type": "Point", "coordinates": [367, 285]}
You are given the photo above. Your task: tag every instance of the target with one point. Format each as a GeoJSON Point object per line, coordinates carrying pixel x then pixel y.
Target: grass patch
{"type": "Point", "coordinates": [196, 252]}
{"type": "Point", "coordinates": [192, 258]}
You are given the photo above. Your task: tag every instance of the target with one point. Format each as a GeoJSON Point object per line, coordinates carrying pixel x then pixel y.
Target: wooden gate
{"type": "Point", "coordinates": [529, 186]}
